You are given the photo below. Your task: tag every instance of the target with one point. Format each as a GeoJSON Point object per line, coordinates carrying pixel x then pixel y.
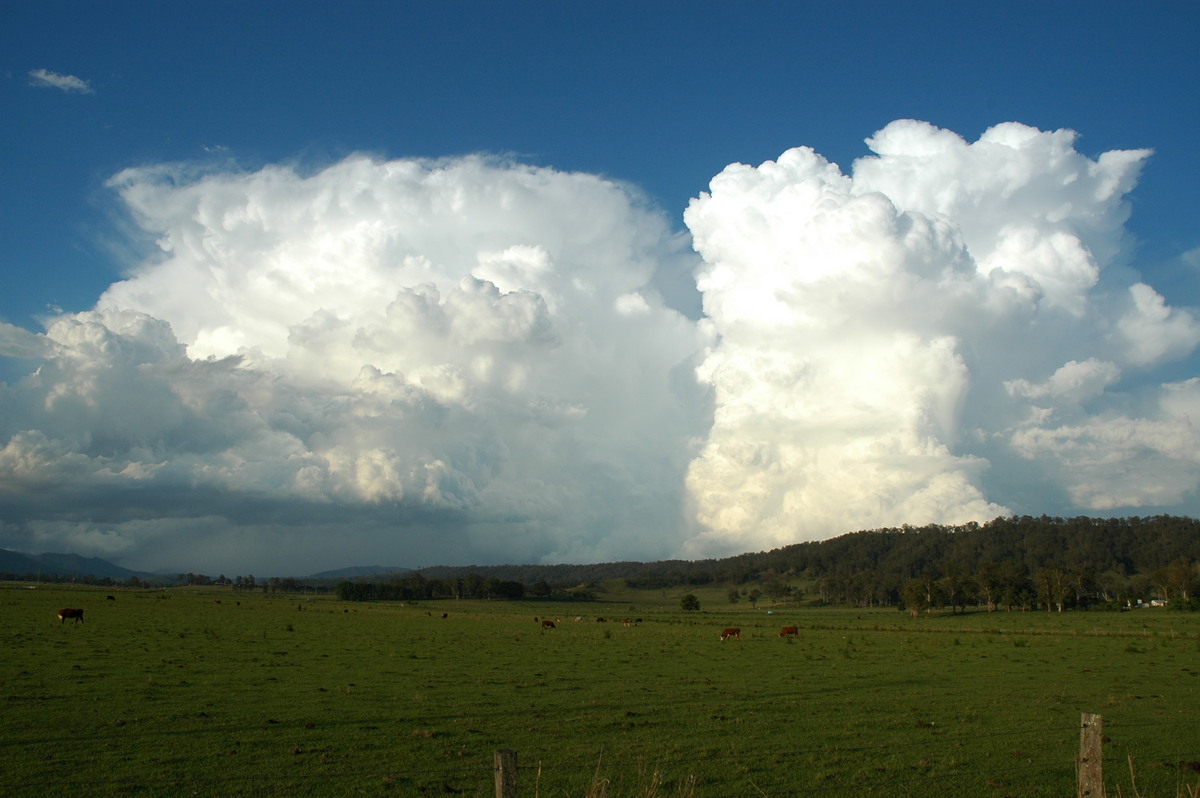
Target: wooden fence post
{"type": "Point", "coordinates": [504, 763]}
{"type": "Point", "coordinates": [1091, 759]}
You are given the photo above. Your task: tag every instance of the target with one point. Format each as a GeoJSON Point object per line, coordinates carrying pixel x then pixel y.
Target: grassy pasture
{"type": "Point", "coordinates": [260, 695]}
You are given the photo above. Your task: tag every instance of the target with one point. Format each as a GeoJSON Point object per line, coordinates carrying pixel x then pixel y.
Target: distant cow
{"type": "Point", "coordinates": [67, 612]}
{"type": "Point", "coordinates": [110, 598]}
{"type": "Point", "coordinates": [548, 624]}
{"type": "Point", "coordinates": [733, 632]}
{"type": "Point", "coordinates": [789, 631]}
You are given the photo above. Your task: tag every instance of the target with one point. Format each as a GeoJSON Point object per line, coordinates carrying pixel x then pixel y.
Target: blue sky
{"type": "Point", "coordinates": [658, 97]}
{"type": "Point", "coordinates": [660, 94]}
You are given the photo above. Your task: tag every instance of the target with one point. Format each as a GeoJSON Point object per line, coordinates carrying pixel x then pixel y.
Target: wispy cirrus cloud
{"type": "Point", "coordinates": [53, 80]}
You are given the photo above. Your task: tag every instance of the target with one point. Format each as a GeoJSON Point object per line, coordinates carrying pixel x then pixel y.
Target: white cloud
{"type": "Point", "coordinates": [53, 80]}
{"type": "Point", "coordinates": [1075, 382]}
{"type": "Point", "coordinates": [886, 337]}
{"type": "Point", "coordinates": [439, 354]}
{"type": "Point", "coordinates": [405, 360]}
{"type": "Point", "coordinates": [1155, 332]}
{"type": "Point", "coordinates": [20, 343]}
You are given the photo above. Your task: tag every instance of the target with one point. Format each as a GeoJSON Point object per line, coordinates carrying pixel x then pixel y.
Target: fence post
{"type": "Point", "coordinates": [1091, 759]}
{"type": "Point", "coordinates": [504, 763]}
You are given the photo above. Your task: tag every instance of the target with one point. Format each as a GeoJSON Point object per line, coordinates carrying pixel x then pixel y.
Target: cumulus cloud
{"type": "Point", "coordinates": [431, 361]}
{"type": "Point", "coordinates": [435, 358]}
{"type": "Point", "coordinates": [889, 336]}
{"type": "Point", "coordinates": [17, 342]}
{"type": "Point", "coordinates": [53, 80]}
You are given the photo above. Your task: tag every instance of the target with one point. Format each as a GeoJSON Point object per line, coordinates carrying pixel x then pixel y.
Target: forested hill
{"type": "Point", "coordinates": [1122, 547]}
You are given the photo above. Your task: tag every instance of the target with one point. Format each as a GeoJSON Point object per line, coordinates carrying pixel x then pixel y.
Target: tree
{"type": "Point", "coordinates": [776, 588]}
{"type": "Point", "coordinates": [1082, 578]}
{"type": "Point", "coordinates": [1181, 578]}
{"type": "Point", "coordinates": [689, 603]}
{"type": "Point", "coordinates": [1053, 587]}
{"type": "Point", "coordinates": [930, 588]}
{"type": "Point", "coordinates": [989, 580]}
{"type": "Point", "coordinates": [916, 597]}
{"type": "Point", "coordinates": [734, 595]}
{"type": "Point", "coordinates": [955, 588]}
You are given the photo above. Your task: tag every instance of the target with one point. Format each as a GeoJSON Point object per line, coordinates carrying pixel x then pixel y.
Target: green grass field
{"type": "Point", "coordinates": [155, 695]}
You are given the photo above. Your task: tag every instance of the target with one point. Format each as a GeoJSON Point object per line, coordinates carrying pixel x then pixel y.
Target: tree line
{"type": "Point", "coordinates": [1014, 562]}
{"type": "Point", "coordinates": [1018, 562]}
{"type": "Point", "coordinates": [416, 586]}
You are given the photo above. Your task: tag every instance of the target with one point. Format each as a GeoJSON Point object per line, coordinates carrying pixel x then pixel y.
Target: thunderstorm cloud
{"type": "Point", "coordinates": [414, 362]}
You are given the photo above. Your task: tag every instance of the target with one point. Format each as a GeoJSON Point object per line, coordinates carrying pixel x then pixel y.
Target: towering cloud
{"type": "Point", "coordinates": [886, 336]}
{"type": "Point", "coordinates": [438, 361]}
{"type": "Point", "coordinates": [430, 360]}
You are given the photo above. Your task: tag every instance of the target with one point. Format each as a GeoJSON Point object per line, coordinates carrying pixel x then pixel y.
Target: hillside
{"type": "Point", "coordinates": [870, 566]}
{"type": "Point", "coordinates": [1123, 546]}
{"type": "Point", "coordinates": [15, 564]}
{"type": "Point", "coordinates": [1015, 562]}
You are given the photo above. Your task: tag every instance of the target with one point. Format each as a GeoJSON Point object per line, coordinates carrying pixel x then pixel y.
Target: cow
{"type": "Point", "coordinates": [110, 598]}
{"type": "Point", "coordinates": [733, 632]}
{"type": "Point", "coordinates": [67, 612]}
{"type": "Point", "coordinates": [548, 624]}
{"type": "Point", "coordinates": [789, 631]}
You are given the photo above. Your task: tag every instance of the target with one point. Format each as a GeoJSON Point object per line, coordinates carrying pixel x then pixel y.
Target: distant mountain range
{"type": "Point", "coordinates": [1124, 550]}
{"type": "Point", "coordinates": [359, 570]}
{"type": "Point", "coordinates": [17, 563]}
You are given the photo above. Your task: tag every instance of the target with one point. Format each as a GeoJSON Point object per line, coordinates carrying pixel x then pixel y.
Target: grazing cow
{"type": "Point", "coordinates": [789, 631]}
{"type": "Point", "coordinates": [733, 632]}
{"type": "Point", "coordinates": [548, 624]}
{"type": "Point", "coordinates": [67, 612]}
{"type": "Point", "coordinates": [110, 598]}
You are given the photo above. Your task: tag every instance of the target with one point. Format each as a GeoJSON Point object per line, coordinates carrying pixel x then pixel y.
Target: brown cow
{"type": "Point", "coordinates": [733, 632]}
{"type": "Point", "coordinates": [67, 612]}
{"type": "Point", "coordinates": [789, 631]}
{"type": "Point", "coordinates": [548, 624]}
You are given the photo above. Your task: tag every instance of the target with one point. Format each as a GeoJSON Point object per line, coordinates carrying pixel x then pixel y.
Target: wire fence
{"type": "Point", "coordinates": [596, 773]}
